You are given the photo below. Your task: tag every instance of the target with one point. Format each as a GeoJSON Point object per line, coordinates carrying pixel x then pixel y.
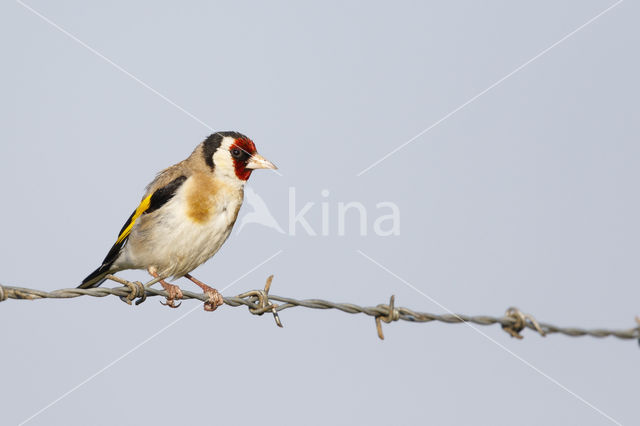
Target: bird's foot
{"type": "Point", "coordinates": [215, 298]}
{"type": "Point", "coordinates": [174, 293]}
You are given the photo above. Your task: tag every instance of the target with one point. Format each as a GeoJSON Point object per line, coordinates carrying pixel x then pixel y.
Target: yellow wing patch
{"type": "Point", "coordinates": [144, 205]}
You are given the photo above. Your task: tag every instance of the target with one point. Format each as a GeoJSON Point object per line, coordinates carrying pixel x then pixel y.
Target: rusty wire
{"type": "Point", "coordinates": [260, 301]}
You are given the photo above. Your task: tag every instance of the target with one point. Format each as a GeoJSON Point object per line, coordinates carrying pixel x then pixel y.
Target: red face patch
{"type": "Point", "coordinates": [246, 149]}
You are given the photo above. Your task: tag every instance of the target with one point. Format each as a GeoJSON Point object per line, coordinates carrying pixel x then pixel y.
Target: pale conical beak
{"type": "Point", "coordinates": [257, 161]}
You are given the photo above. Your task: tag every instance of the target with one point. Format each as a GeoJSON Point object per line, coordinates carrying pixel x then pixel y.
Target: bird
{"type": "Point", "coordinates": [186, 214]}
{"type": "Point", "coordinates": [260, 214]}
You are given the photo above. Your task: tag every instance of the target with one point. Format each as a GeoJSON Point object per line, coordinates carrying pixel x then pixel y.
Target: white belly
{"type": "Point", "coordinates": [172, 242]}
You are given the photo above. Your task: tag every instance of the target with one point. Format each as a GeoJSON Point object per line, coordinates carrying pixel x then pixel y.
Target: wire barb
{"type": "Point", "coordinates": [137, 290]}
{"type": "Point", "coordinates": [260, 303]}
{"type": "Point", "coordinates": [520, 321]}
{"type": "Point", "coordinates": [392, 315]}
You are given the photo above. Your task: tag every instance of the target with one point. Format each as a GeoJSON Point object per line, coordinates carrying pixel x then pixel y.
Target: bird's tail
{"type": "Point", "coordinates": [95, 278]}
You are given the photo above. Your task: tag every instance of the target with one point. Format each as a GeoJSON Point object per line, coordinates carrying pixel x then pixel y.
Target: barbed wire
{"type": "Point", "coordinates": [260, 302]}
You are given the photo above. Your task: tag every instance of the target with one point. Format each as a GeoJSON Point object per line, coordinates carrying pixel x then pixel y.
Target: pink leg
{"type": "Point", "coordinates": [215, 298]}
{"type": "Point", "coordinates": [173, 290]}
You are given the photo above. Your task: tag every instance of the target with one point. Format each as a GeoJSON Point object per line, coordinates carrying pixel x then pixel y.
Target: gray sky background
{"type": "Point", "coordinates": [528, 196]}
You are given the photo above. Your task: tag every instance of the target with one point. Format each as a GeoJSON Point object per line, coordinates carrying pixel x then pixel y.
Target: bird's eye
{"type": "Point", "coordinates": [236, 153]}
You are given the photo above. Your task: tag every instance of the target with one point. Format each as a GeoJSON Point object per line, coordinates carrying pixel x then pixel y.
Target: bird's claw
{"type": "Point", "coordinates": [171, 303]}
{"type": "Point", "coordinates": [215, 300]}
{"type": "Point", "coordinates": [174, 293]}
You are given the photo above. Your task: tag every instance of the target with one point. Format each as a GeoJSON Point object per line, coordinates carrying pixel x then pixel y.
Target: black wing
{"type": "Point", "coordinates": [149, 204]}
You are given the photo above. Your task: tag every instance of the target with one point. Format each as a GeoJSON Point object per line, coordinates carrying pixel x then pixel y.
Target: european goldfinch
{"type": "Point", "coordinates": [185, 215]}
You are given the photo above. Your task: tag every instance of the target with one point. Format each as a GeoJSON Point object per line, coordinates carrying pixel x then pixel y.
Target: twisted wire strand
{"type": "Point", "coordinates": [260, 302]}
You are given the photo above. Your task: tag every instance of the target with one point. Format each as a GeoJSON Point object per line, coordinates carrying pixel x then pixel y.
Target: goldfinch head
{"type": "Point", "coordinates": [232, 155]}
